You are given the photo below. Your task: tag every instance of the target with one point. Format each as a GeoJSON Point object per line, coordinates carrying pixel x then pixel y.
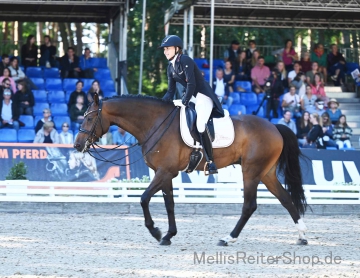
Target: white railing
{"type": "Point", "coordinates": [33, 191]}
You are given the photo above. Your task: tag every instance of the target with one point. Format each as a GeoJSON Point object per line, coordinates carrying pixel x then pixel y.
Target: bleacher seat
{"type": "Point", "coordinates": [246, 85]}
{"type": "Point", "coordinates": [236, 98]}
{"type": "Point", "coordinates": [113, 128]}
{"type": "Point", "coordinates": [107, 85]}
{"type": "Point", "coordinates": [59, 120]}
{"type": "Point", "coordinates": [51, 73]}
{"type": "Point", "coordinates": [206, 74]}
{"type": "Point", "coordinates": [37, 118]}
{"type": "Point", "coordinates": [56, 96]}
{"type": "Point", "coordinates": [248, 99]}
{"type": "Point", "coordinates": [53, 84]}
{"type": "Point", "coordinates": [252, 108]}
{"type": "Point", "coordinates": [26, 135]}
{"type": "Point", "coordinates": [40, 95]}
{"type": "Point", "coordinates": [67, 96]}
{"type": "Point", "coordinates": [39, 107]}
{"type": "Point", "coordinates": [351, 67]}
{"type": "Point", "coordinates": [109, 94]}
{"type": "Point", "coordinates": [100, 62]}
{"type": "Point", "coordinates": [102, 74]}
{"type": "Point", "coordinates": [200, 62]}
{"type": "Point", "coordinates": [28, 120]}
{"type": "Point", "coordinates": [88, 83]}
{"type": "Point", "coordinates": [260, 97]}
{"type": "Point", "coordinates": [235, 108]}
{"type": "Point", "coordinates": [275, 120]}
{"type": "Point", "coordinates": [39, 82]}
{"type": "Point", "coordinates": [218, 63]}
{"type": "Point", "coordinates": [8, 135]}
{"type": "Point", "coordinates": [224, 106]}
{"type": "Point", "coordinates": [59, 109]}
{"type": "Point", "coordinates": [34, 72]}
{"type": "Point", "coordinates": [69, 84]}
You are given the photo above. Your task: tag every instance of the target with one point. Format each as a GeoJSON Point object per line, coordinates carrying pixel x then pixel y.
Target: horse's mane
{"type": "Point", "coordinates": [142, 97]}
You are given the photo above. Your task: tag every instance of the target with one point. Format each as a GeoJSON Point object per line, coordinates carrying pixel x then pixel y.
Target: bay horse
{"type": "Point", "coordinates": [259, 146]}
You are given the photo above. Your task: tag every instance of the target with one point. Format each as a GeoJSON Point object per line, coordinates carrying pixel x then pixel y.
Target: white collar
{"type": "Point", "coordinates": [173, 60]}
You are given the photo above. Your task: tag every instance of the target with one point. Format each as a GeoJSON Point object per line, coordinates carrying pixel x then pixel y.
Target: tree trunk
{"type": "Point", "coordinates": [98, 31]}
{"type": "Point", "coordinates": [5, 31]}
{"type": "Point", "coordinates": [64, 36]}
{"type": "Point", "coordinates": [354, 56]}
{"type": "Point", "coordinates": [70, 34]}
{"type": "Point", "coordinates": [20, 34]}
{"type": "Point", "coordinates": [79, 45]}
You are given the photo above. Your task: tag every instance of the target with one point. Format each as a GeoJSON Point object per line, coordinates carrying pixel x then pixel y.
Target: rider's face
{"type": "Point", "coordinates": [169, 52]}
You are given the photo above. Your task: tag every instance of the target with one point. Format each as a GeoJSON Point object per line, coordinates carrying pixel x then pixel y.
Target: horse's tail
{"type": "Point", "coordinates": [289, 165]}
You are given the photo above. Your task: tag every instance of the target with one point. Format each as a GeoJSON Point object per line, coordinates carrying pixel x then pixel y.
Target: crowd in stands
{"type": "Point", "coordinates": [293, 87]}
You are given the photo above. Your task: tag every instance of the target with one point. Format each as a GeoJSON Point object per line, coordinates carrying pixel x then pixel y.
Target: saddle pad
{"type": "Point", "coordinates": [224, 131]}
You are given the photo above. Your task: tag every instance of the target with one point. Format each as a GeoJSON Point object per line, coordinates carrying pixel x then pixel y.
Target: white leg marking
{"type": "Point", "coordinates": [300, 225]}
{"type": "Point", "coordinates": [229, 238]}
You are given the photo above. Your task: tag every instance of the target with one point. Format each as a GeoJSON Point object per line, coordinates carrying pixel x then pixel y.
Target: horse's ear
{"type": "Point", "coordinates": [96, 99]}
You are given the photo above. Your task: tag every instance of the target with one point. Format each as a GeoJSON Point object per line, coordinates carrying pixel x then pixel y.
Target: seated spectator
{"type": "Point", "coordinates": [242, 69]}
{"type": "Point", "coordinates": [342, 133]}
{"type": "Point", "coordinates": [318, 108]}
{"type": "Point", "coordinates": [310, 75]}
{"type": "Point", "coordinates": [291, 102]}
{"type": "Point", "coordinates": [77, 112]}
{"type": "Point", "coordinates": [121, 137]}
{"type": "Point", "coordinates": [303, 128]}
{"type": "Point", "coordinates": [106, 139]}
{"type": "Point", "coordinates": [229, 76]}
{"type": "Point", "coordinates": [308, 100]}
{"type": "Point", "coordinates": [70, 64]}
{"type": "Point", "coordinates": [87, 64]}
{"type": "Point", "coordinates": [232, 52]}
{"type": "Point", "coordinates": [18, 75]}
{"type": "Point", "coordinates": [249, 52]}
{"type": "Point", "coordinates": [334, 111]}
{"type": "Point", "coordinates": [289, 55]}
{"type": "Point", "coordinates": [24, 99]}
{"type": "Point", "coordinates": [336, 65]}
{"type": "Point", "coordinates": [9, 111]}
{"type": "Point", "coordinates": [319, 56]}
{"type": "Point", "coordinates": [254, 59]}
{"type": "Point", "coordinates": [276, 91]}
{"type": "Point", "coordinates": [221, 88]}
{"type": "Point", "coordinates": [47, 134]}
{"type": "Point", "coordinates": [47, 118]}
{"type": "Point", "coordinates": [328, 130]}
{"type": "Point", "coordinates": [286, 120]}
{"type": "Point", "coordinates": [259, 74]}
{"type": "Point", "coordinates": [292, 74]}
{"type": "Point", "coordinates": [48, 54]}
{"type": "Point", "coordinates": [314, 139]}
{"type": "Point", "coordinates": [74, 94]}
{"type": "Point", "coordinates": [305, 62]}
{"type": "Point", "coordinates": [280, 66]}
{"type": "Point", "coordinates": [5, 62]}
{"type": "Point", "coordinates": [65, 137]}
{"type": "Point", "coordinates": [317, 88]}
{"type": "Point", "coordinates": [29, 52]}
{"type": "Point", "coordinates": [6, 85]}
{"type": "Point", "coordinates": [299, 84]}
{"type": "Point", "coordinates": [95, 88]}
{"type": "Point", "coordinates": [7, 75]}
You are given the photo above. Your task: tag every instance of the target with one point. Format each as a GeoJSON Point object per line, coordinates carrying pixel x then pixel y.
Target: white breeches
{"type": "Point", "coordinates": [203, 107]}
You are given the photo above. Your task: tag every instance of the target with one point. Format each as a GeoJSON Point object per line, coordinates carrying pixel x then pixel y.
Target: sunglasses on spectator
{"type": "Point", "coordinates": [46, 112]}
{"type": "Point", "coordinates": [65, 126]}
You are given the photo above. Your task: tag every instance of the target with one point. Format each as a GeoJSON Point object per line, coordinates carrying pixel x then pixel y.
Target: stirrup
{"type": "Point", "coordinates": [207, 170]}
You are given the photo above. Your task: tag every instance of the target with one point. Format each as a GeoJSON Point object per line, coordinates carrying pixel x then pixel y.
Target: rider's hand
{"type": "Point", "coordinates": [178, 102]}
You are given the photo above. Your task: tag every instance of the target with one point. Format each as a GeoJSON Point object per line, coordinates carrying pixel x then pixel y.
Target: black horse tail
{"type": "Point", "coordinates": [289, 165]}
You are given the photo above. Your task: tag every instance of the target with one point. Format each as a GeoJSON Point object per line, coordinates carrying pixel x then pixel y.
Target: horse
{"type": "Point", "coordinates": [259, 146]}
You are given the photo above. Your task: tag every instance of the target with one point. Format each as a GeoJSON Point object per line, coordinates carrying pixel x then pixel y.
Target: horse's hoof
{"type": "Point", "coordinates": [165, 242]}
{"type": "Point", "coordinates": [157, 234]}
{"type": "Point", "coordinates": [302, 241]}
{"type": "Point", "coordinates": [222, 243]}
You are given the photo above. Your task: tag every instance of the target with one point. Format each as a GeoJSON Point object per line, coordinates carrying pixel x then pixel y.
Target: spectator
{"type": "Point", "coordinates": [232, 52]}
{"type": "Point", "coordinates": [286, 120]}
{"type": "Point", "coordinates": [65, 137]}
{"type": "Point", "coordinates": [291, 102]}
{"type": "Point", "coordinates": [70, 64]}
{"type": "Point", "coordinates": [310, 75]}
{"type": "Point", "coordinates": [250, 51]}
{"type": "Point", "coordinates": [254, 59]}
{"type": "Point", "coordinates": [77, 112]}
{"type": "Point", "coordinates": [6, 85]}
{"type": "Point", "coordinates": [308, 100]}
{"type": "Point", "coordinates": [229, 76]}
{"type": "Point", "coordinates": [221, 88]}
{"type": "Point", "coordinates": [242, 69]}
{"type": "Point", "coordinates": [318, 108]}
{"type": "Point", "coordinates": [334, 111]}
{"type": "Point", "coordinates": [305, 62]}
{"type": "Point", "coordinates": [276, 91]}
{"type": "Point", "coordinates": [29, 52]}
{"type": "Point", "coordinates": [299, 84]}
{"type": "Point", "coordinates": [342, 133]}
{"type": "Point", "coordinates": [314, 139]}
{"type": "Point", "coordinates": [106, 139]}
{"type": "Point", "coordinates": [280, 66]}
{"type": "Point", "coordinates": [292, 74]}
{"type": "Point", "coordinates": [78, 91]}
{"type": "Point", "coordinates": [95, 88]}
{"type": "Point", "coordinates": [319, 56]}
{"type": "Point", "coordinates": [18, 75]}
{"type": "Point", "coordinates": [9, 112]}
{"type": "Point", "coordinates": [5, 62]}
{"type": "Point", "coordinates": [303, 128]}
{"type": "Point", "coordinates": [48, 54]}
{"type": "Point", "coordinates": [47, 134]}
{"type": "Point", "coordinates": [87, 64]}
{"type": "Point", "coordinates": [259, 74]}
{"type": "Point", "coordinates": [24, 99]}
{"type": "Point", "coordinates": [121, 137]}
{"type": "Point", "coordinates": [317, 87]}
{"type": "Point", "coordinates": [328, 130]}
{"type": "Point", "coordinates": [336, 65]}
{"type": "Point", "coordinates": [7, 75]}
{"type": "Point", "coordinates": [289, 55]}
{"type": "Point", "coordinates": [47, 118]}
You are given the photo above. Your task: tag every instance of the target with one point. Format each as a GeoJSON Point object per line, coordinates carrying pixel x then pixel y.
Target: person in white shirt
{"type": "Point", "coordinates": [291, 102]}
{"type": "Point", "coordinates": [292, 74]}
{"type": "Point", "coordinates": [221, 88]}
{"type": "Point", "coordinates": [65, 136]}
{"type": "Point", "coordinates": [286, 120]}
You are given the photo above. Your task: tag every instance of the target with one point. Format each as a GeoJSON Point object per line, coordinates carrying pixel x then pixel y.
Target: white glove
{"type": "Point", "coordinates": [178, 102]}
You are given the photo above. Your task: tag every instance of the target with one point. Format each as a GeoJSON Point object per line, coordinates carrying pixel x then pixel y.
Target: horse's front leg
{"type": "Point", "coordinates": [170, 205]}
{"type": "Point", "coordinates": [161, 179]}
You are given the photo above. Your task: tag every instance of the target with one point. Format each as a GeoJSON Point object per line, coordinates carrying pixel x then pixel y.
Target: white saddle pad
{"type": "Point", "coordinates": [224, 131]}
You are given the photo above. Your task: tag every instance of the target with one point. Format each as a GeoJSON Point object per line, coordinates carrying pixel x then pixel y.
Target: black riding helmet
{"type": "Point", "coordinates": [172, 40]}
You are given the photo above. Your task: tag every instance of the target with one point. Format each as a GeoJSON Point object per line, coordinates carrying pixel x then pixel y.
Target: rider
{"type": "Point", "coordinates": [182, 69]}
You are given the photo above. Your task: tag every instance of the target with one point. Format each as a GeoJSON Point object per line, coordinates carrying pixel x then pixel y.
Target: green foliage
{"type": "Point", "coordinates": [17, 172]}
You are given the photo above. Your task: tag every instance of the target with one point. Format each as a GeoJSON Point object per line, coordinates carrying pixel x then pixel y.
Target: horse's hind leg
{"type": "Point", "coordinates": [275, 187]}
{"type": "Point", "coordinates": [168, 196]}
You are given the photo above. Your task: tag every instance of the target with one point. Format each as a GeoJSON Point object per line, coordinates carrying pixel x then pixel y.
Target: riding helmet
{"type": "Point", "coordinates": [171, 40]}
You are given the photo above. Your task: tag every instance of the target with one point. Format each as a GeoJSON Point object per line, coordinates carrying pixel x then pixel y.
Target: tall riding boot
{"type": "Point", "coordinates": [208, 151]}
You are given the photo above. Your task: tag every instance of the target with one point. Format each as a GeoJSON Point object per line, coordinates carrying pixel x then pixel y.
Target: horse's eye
{"type": "Point", "coordinates": [89, 119]}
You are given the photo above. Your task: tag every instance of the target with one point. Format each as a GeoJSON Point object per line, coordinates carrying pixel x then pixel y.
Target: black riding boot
{"type": "Point", "coordinates": [208, 151]}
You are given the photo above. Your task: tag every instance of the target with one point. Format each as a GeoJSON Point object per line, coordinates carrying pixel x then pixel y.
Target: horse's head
{"type": "Point", "coordinates": [93, 126]}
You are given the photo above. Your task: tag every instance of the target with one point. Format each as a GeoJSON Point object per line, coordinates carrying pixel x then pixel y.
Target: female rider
{"type": "Point", "coordinates": [183, 69]}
